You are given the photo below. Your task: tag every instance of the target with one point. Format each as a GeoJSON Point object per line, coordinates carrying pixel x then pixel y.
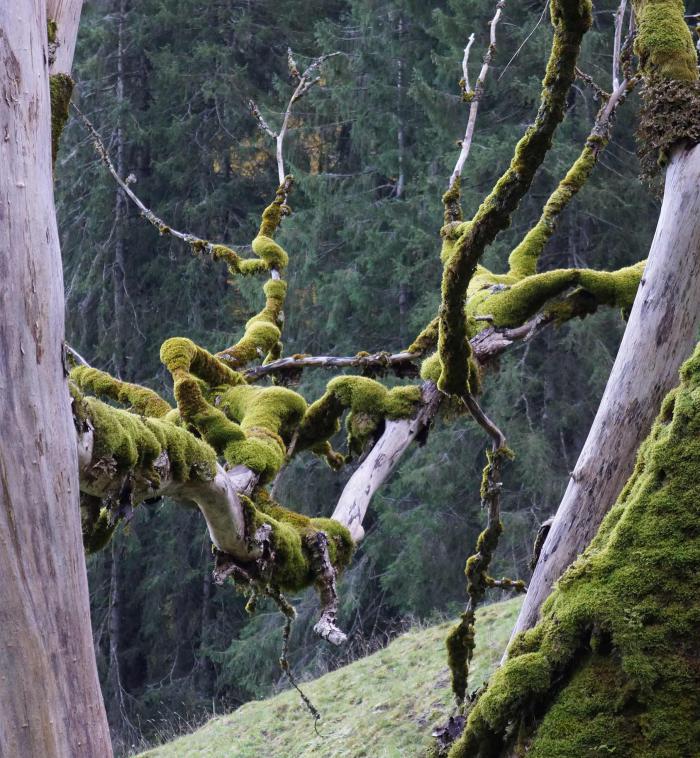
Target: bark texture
{"type": "Point", "coordinates": [50, 701]}
{"type": "Point", "coordinates": [661, 332]}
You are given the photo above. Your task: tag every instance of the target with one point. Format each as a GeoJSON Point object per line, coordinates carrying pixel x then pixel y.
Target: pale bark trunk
{"type": "Point", "coordinates": [661, 332]}
{"type": "Point", "coordinates": [380, 462]}
{"type": "Point", "coordinates": [50, 701]}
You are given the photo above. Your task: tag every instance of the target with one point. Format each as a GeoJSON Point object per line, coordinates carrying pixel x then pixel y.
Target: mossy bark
{"type": "Point", "coordinates": [611, 667]}
{"type": "Point", "coordinates": [465, 242]}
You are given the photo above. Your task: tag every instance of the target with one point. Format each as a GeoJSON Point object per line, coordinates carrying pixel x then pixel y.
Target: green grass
{"type": "Point", "coordinates": [382, 706]}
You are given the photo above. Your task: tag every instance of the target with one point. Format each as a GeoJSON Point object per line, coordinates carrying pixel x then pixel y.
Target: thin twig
{"type": "Point", "coordinates": [619, 18]}
{"type": "Point", "coordinates": [475, 96]}
{"type": "Point", "coordinates": [465, 63]}
{"type": "Point", "coordinates": [192, 240]}
{"type": "Point", "coordinates": [305, 82]}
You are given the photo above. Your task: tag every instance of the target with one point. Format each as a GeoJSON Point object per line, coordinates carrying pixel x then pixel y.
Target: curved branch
{"type": "Point", "coordinates": [381, 461]}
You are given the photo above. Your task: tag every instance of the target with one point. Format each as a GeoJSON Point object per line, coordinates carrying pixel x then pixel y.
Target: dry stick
{"type": "Point", "coordinates": [619, 17]}
{"type": "Point", "coordinates": [477, 93]}
{"type": "Point", "coordinates": [305, 83]}
{"type": "Point", "coordinates": [486, 345]}
{"type": "Point", "coordinates": [163, 228]}
{"type": "Point", "coordinates": [465, 62]}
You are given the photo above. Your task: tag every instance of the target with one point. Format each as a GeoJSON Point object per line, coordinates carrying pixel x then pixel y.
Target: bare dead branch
{"type": "Point", "coordinates": [381, 461]}
{"type": "Point", "coordinates": [619, 18]}
{"type": "Point", "coordinates": [196, 243]}
{"type": "Point", "coordinates": [475, 96]}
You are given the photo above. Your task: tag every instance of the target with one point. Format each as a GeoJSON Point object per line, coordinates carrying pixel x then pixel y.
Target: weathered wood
{"type": "Point", "coordinates": [661, 332]}
{"type": "Point", "coordinates": [381, 461]}
{"type": "Point", "coordinates": [50, 700]}
{"type": "Point", "coordinates": [217, 499]}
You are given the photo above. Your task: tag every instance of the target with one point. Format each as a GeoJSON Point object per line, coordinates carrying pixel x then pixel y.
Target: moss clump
{"type": "Point", "coordinates": [670, 111]}
{"type": "Point", "coordinates": [292, 565]}
{"type": "Point", "coordinates": [61, 90]}
{"type": "Point", "coordinates": [267, 418]}
{"type": "Point", "coordinates": [612, 664]}
{"type": "Point", "coordinates": [263, 331]}
{"type": "Point", "coordinates": [369, 403]}
{"type": "Point", "coordinates": [512, 305]}
{"type": "Point", "coordinates": [96, 523]}
{"type": "Point", "coordinates": [670, 115]}
{"type": "Point", "coordinates": [464, 243]}
{"type": "Point", "coordinates": [664, 43]}
{"type": "Point", "coordinates": [141, 400]}
{"type": "Point", "coordinates": [132, 441]}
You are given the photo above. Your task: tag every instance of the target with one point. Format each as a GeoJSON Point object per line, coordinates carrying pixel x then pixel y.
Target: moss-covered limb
{"type": "Point", "coordinates": [288, 557]}
{"type": "Point", "coordinates": [124, 442]}
{"type": "Point", "coordinates": [427, 339]}
{"type": "Point", "coordinates": [263, 331]}
{"type": "Point", "coordinates": [261, 338]}
{"type": "Point", "coordinates": [369, 403]}
{"type": "Point", "coordinates": [523, 259]}
{"type": "Point", "coordinates": [570, 19]}
{"type": "Point", "coordinates": [612, 663]}
{"type": "Point", "coordinates": [126, 458]}
{"type": "Point", "coordinates": [670, 112]}
{"type": "Point", "coordinates": [141, 400]}
{"type": "Point", "coordinates": [268, 418]}
{"type": "Point", "coordinates": [509, 306]}
{"type": "Point", "coordinates": [461, 638]}
{"type": "Point", "coordinates": [664, 42]}
{"type": "Point", "coordinates": [61, 90]}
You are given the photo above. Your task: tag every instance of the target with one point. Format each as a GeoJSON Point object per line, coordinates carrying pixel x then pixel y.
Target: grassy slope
{"type": "Point", "coordinates": [382, 706]}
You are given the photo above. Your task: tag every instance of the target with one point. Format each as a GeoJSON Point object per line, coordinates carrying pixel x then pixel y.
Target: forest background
{"type": "Point", "coordinates": [167, 84]}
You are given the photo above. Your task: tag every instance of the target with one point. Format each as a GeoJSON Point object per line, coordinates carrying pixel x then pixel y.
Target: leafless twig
{"type": "Point", "coordinates": [475, 96]}
{"type": "Point", "coordinates": [192, 240]}
{"type": "Point", "coordinates": [619, 18]}
{"type": "Point", "coordinates": [305, 82]}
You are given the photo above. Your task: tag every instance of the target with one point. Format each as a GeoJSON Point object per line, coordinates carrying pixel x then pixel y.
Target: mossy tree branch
{"type": "Point", "coordinates": [464, 243]}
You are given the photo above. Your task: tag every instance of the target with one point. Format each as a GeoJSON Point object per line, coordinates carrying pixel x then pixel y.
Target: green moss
{"type": "Point", "coordinates": [263, 331]}
{"type": "Point", "coordinates": [97, 526]}
{"type": "Point", "coordinates": [670, 111]}
{"type": "Point", "coordinates": [268, 417]}
{"type": "Point", "coordinates": [292, 565]}
{"type": "Point", "coordinates": [523, 259]}
{"type": "Point", "coordinates": [664, 43]}
{"type": "Point", "coordinates": [141, 400]}
{"type": "Point", "coordinates": [611, 665]}
{"type": "Point", "coordinates": [132, 441]}
{"type": "Point", "coordinates": [369, 403]}
{"type": "Point", "coordinates": [51, 31]}
{"type": "Point", "coordinates": [181, 356]}
{"type": "Point", "coordinates": [464, 243]}
{"type": "Point", "coordinates": [426, 340]}
{"type": "Point", "coordinates": [512, 305]}
{"type": "Point", "coordinates": [61, 90]}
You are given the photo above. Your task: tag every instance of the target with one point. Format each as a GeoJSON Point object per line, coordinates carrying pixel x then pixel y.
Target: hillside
{"type": "Point", "coordinates": [382, 706]}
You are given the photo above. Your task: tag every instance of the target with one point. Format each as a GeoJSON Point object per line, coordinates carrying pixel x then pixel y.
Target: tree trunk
{"type": "Point", "coordinates": [50, 700]}
{"type": "Point", "coordinates": [661, 332]}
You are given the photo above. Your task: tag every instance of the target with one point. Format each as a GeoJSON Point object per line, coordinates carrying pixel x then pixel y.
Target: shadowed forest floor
{"type": "Point", "coordinates": [382, 706]}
